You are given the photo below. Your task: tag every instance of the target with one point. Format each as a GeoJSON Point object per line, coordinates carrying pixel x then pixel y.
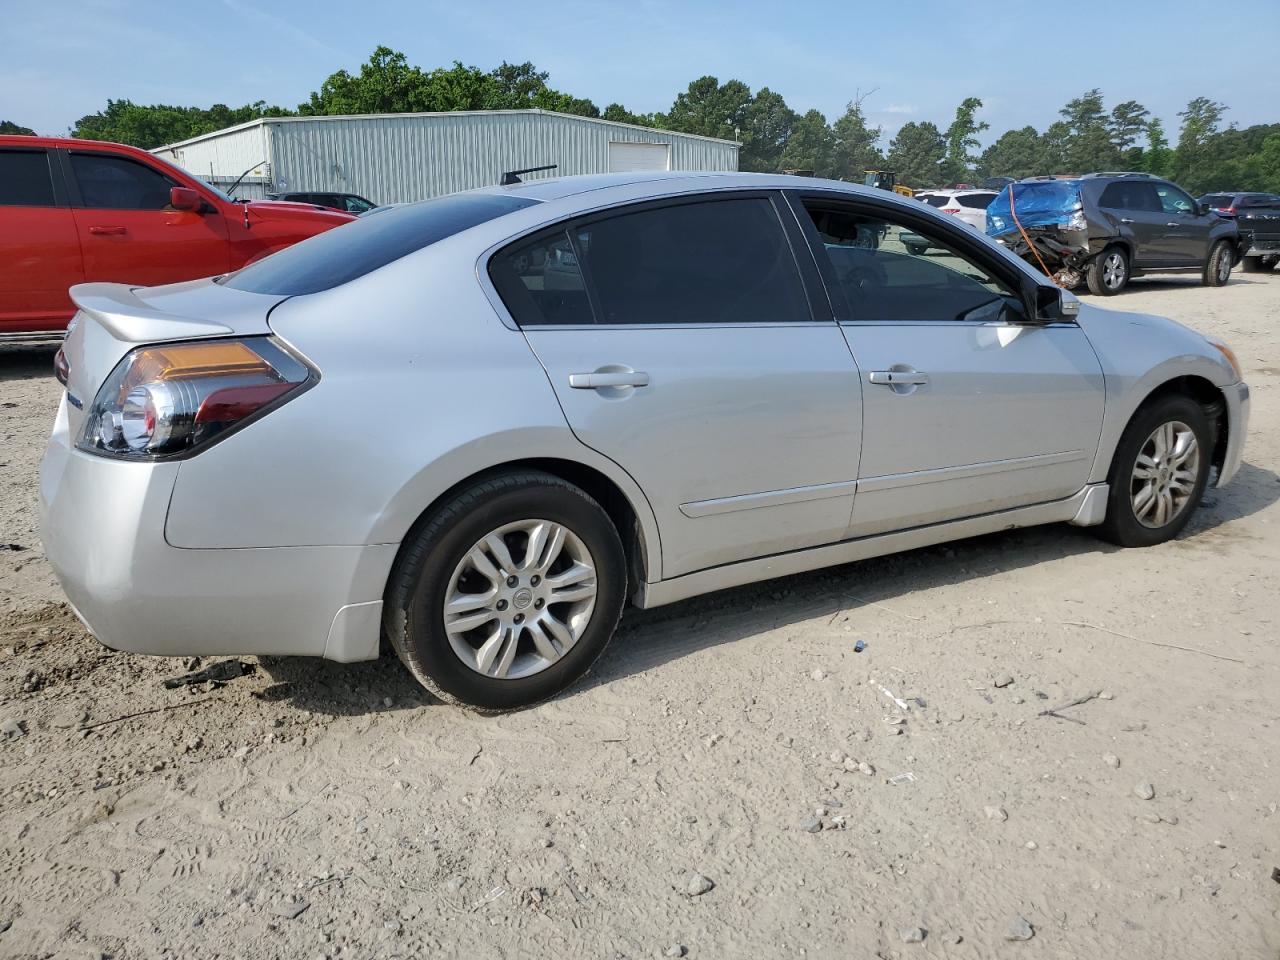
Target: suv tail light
{"type": "Point", "coordinates": [168, 400]}
{"type": "Point", "coordinates": [950, 209]}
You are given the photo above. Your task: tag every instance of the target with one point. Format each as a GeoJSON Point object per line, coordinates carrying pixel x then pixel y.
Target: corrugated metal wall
{"type": "Point", "coordinates": [392, 159]}
{"type": "Point", "coordinates": [222, 158]}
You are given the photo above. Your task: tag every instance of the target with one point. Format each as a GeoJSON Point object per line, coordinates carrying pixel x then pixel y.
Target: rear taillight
{"type": "Point", "coordinates": [168, 400]}
{"type": "Point", "coordinates": [61, 368]}
{"type": "Point", "coordinates": [950, 209]}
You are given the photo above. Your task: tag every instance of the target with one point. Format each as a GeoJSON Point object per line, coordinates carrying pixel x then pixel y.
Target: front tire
{"type": "Point", "coordinates": [1217, 269]}
{"type": "Point", "coordinates": [508, 593]}
{"type": "Point", "coordinates": [1159, 472]}
{"type": "Point", "coordinates": [1108, 272]}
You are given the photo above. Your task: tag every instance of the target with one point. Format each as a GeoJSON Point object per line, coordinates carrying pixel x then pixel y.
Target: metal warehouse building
{"type": "Point", "coordinates": [392, 158]}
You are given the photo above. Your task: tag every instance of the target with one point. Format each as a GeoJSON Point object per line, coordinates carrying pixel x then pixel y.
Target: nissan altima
{"type": "Point", "coordinates": [477, 426]}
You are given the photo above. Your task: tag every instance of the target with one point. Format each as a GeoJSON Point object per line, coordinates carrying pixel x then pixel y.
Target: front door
{"type": "Point", "coordinates": [681, 344]}
{"type": "Point", "coordinates": [128, 231]}
{"type": "Point", "coordinates": [966, 409]}
{"type": "Point", "coordinates": [1186, 233]}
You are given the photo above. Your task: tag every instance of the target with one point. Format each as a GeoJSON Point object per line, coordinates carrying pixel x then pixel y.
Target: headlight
{"type": "Point", "coordinates": [167, 400]}
{"type": "Point", "coordinates": [1229, 354]}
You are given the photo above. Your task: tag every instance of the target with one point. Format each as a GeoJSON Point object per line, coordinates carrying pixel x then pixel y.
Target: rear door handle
{"type": "Point", "coordinates": [107, 231]}
{"type": "Point", "coordinates": [898, 376]}
{"type": "Point", "coordinates": [1172, 223]}
{"type": "Point", "coordinates": [1126, 219]}
{"type": "Point", "coordinates": [608, 378]}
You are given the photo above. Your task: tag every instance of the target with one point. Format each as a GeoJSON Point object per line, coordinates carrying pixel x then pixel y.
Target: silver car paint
{"type": "Point", "coordinates": [286, 531]}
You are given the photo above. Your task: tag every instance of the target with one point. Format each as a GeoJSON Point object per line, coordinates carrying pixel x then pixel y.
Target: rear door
{"type": "Point", "coordinates": [966, 409]}
{"type": "Point", "coordinates": [39, 252]}
{"type": "Point", "coordinates": [130, 234]}
{"type": "Point", "coordinates": [1134, 206]}
{"type": "Point", "coordinates": [681, 342]}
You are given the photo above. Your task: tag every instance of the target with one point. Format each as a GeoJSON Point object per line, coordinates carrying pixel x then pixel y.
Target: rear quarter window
{"type": "Point", "coordinates": [345, 253]}
{"type": "Point", "coordinates": [934, 200]}
{"type": "Point", "coordinates": [977, 201]}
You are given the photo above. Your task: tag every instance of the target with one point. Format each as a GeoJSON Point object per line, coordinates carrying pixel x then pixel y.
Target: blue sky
{"type": "Point", "coordinates": [63, 58]}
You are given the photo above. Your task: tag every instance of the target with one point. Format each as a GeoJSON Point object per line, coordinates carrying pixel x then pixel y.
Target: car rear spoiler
{"type": "Point", "coordinates": [119, 309]}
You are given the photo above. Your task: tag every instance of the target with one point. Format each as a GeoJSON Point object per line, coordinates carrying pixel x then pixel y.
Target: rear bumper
{"type": "Point", "coordinates": [102, 522]}
{"type": "Point", "coordinates": [1237, 396]}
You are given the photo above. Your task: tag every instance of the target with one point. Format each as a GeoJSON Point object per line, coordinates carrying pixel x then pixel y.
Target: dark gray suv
{"type": "Point", "coordinates": [1105, 228]}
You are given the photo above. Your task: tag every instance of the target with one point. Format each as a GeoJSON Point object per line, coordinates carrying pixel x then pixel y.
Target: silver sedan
{"type": "Point", "coordinates": [476, 426]}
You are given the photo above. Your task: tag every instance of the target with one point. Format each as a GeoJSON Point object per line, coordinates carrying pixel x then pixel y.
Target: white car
{"type": "Point", "coordinates": [967, 205]}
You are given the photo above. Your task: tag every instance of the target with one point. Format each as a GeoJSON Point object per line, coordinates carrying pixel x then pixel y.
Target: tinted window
{"type": "Point", "coordinates": [340, 255]}
{"type": "Point", "coordinates": [1173, 200]}
{"type": "Point", "coordinates": [25, 179]}
{"type": "Point", "coordinates": [976, 201]}
{"type": "Point", "coordinates": [541, 282]}
{"type": "Point", "coordinates": [1217, 200]}
{"type": "Point", "coordinates": [934, 200]}
{"type": "Point", "coordinates": [118, 183]}
{"type": "Point", "coordinates": [716, 261]}
{"type": "Point", "coordinates": [357, 204]}
{"type": "Point", "coordinates": [890, 271]}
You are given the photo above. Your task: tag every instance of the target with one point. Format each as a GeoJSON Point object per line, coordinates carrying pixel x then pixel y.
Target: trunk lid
{"type": "Point", "coordinates": [114, 318]}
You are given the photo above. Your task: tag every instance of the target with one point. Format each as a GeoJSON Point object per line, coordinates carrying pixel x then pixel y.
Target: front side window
{"type": "Point", "coordinates": [24, 179]}
{"type": "Point", "coordinates": [723, 261]}
{"type": "Point", "coordinates": [1173, 200]}
{"type": "Point", "coordinates": [119, 183]}
{"type": "Point", "coordinates": [356, 204]}
{"type": "Point", "coordinates": [889, 271]}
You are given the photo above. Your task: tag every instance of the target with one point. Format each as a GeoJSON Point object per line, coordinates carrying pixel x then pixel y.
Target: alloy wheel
{"type": "Point", "coordinates": [1164, 474]}
{"type": "Point", "coordinates": [1113, 271]}
{"type": "Point", "coordinates": [520, 599]}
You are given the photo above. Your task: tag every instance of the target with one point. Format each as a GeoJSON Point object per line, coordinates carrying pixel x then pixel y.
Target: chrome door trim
{"type": "Point", "coordinates": [1081, 507]}
{"type": "Point", "coordinates": [893, 481]}
{"type": "Point", "coordinates": [767, 498]}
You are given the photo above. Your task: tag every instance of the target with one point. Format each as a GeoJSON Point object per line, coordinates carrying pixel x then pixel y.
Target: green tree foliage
{"type": "Point", "coordinates": [1017, 153]}
{"type": "Point", "coordinates": [916, 154]}
{"type": "Point", "coordinates": [811, 146]}
{"type": "Point", "coordinates": [710, 108]}
{"type": "Point", "coordinates": [1088, 142]}
{"type": "Point", "coordinates": [768, 122]}
{"type": "Point", "coordinates": [1126, 126]}
{"type": "Point", "coordinates": [153, 125]}
{"type": "Point", "coordinates": [854, 150]}
{"type": "Point", "coordinates": [962, 140]}
{"type": "Point", "coordinates": [1158, 158]}
{"type": "Point", "coordinates": [12, 129]}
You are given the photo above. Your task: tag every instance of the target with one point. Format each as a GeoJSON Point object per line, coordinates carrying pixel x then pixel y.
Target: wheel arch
{"type": "Point", "coordinates": [619, 496]}
{"type": "Point", "coordinates": [1196, 387]}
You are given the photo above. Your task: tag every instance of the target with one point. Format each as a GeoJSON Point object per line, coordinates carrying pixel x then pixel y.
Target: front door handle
{"type": "Point", "coordinates": [1126, 219]}
{"type": "Point", "coordinates": [1172, 223]}
{"type": "Point", "coordinates": [608, 378]}
{"type": "Point", "coordinates": [107, 231]}
{"type": "Point", "coordinates": [891, 377]}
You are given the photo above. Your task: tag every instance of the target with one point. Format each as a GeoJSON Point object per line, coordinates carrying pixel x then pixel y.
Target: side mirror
{"type": "Point", "coordinates": [1053, 304]}
{"type": "Point", "coordinates": [184, 198]}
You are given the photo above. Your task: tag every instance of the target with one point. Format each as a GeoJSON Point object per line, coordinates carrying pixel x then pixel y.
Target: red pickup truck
{"type": "Point", "coordinates": [73, 211]}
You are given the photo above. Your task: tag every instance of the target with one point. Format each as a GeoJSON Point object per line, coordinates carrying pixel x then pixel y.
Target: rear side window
{"type": "Point", "coordinates": [934, 200]}
{"type": "Point", "coordinates": [24, 179]}
{"type": "Point", "coordinates": [1218, 200]}
{"type": "Point", "coordinates": [119, 183]}
{"type": "Point", "coordinates": [712, 261]}
{"type": "Point", "coordinates": [339, 256]}
{"type": "Point", "coordinates": [976, 201]}
{"type": "Point", "coordinates": [1130, 195]}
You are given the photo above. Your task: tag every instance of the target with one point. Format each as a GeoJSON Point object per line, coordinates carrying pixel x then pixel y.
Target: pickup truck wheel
{"type": "Point", "coordinates": [1258, 264]}
{"type": "Point", "coordinates": [1217, 269]}
{"type": "Point", "coordinates": [1108, 272]}
{"type": "Point", "coordinates": [1159, 472]}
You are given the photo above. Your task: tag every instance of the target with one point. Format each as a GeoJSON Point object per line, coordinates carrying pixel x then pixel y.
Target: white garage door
{"type": "Point", "coordinates": [625, 157]}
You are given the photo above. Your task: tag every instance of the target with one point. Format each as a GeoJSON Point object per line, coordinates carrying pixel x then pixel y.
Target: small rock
{"type": "Point", "coordinates": [866, 768]}
{"type": "Point", "coordinates": [914, 935]}
{"type": "Point", "coordinates": [952, 938]}
{"type": "Point", "coordinates": [1275, 874]}
{"type": "Point", "coordinates": [1032, 845]}
{"type": "Point", "coordinates": [818, 675]}
{"type": "Point", "coordinates": [1111, 760]}
{"type": "Point", "coordinates": [955, 717]}
{"type": "Point", "coordinates": [1106, 695]}
{"type": "Point", "coordinates": [1002, 681]}
{"type": "Point", "coordinates": [1019, 929]}
{"type": "Point", "coordinates": [676, 950]}
{"type": "Point", "coordinates": [811, 825]}
{"type": "Point", "coordinates": [5, 925]}
{"type": "Point", "coordinates": [996, 813]}
{"type": "Point", "coordinates": [11, 729]}
{"type": "Point", "coordinates": [291, 911]}
{"type": "Point", "coordinates": [697, 885]}
{"type": "Point", "coordinates": [1144, 791]}
{"type": "Point", "coordinates": [392, 925]}
{"type": "Point", "coordinates": [1019, 700]}
{"type": "Point", "coordinates": [850, 764]}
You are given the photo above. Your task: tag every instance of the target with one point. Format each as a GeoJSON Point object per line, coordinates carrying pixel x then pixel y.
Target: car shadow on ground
{"type": "Point", "coordinates": [648, 638]}
{"type": "Point", "coordinates": [27, 362]}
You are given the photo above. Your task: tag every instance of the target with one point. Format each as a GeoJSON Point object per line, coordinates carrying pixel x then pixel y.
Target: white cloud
{"type": "Point", "coordinates": [900, 108]}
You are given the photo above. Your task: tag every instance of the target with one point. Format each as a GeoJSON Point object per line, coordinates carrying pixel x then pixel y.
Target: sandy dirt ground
{"type": "Point", "coordinates": [316, 810]}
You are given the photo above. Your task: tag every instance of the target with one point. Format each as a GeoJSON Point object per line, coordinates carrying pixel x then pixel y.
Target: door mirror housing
{"type": "Point", "coordinates": [1054, 305]}
{"type": "Point", "coordinates": [184, 198]}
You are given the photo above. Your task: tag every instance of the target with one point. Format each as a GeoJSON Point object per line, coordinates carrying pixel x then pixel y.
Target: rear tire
{"type": "Point", "coordinates": [1165, 451]}
{"type": "Point", "coordinates": [506, 644]}
{"type": "Point", "coordinates": [1108, 272]}
{"type": "Point", "coordinates": [1217, 269]}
